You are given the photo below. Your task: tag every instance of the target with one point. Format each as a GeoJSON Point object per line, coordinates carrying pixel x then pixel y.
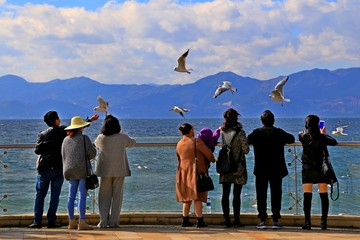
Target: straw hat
{"type": "Point", "coordinates": [77, 122]}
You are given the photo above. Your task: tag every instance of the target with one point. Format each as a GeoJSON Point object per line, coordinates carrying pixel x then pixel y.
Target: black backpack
{"type": "Point", "coordinates": [226, 162]}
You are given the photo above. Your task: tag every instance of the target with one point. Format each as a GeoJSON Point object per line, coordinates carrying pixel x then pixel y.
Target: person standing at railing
{"type": "Point", "coordinates": [314, 141]}
{"type": "Point", "coordinates": [270, 166]}
{"type": "Point", "coordinates": [50, 168]}
{"type": "Point", "coordinates": [186, 190]}
{"type": "Point", "coordinates": [76, 149]}
{"type": "Point", "coordinates": [112, 168]}
{"type": "Point", "coordinates": [232, 132]}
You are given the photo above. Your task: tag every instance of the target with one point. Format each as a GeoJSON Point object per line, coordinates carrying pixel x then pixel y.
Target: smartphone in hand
{"type": "Point", "coordinates": [321, 124]}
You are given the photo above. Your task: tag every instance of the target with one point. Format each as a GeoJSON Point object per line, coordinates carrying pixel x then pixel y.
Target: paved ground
{"type": "Point", "coordinates": [176, 233]}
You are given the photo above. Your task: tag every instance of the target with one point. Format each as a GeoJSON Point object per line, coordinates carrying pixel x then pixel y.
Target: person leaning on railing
{"type": "Point", "coordinates": [186, 190]}
{"type": "Point", "coordinates": [314, 141]}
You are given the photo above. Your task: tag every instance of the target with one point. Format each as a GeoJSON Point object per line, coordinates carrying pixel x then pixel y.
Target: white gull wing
{"type": "Point", "coordinates": [179, 110]}
{"type": "Point", "coordinates": [277, 94]}
{"type": "Point", "coordinates": [226, 86]}
{"type": "Point", "coordinates": [103, 105]}
{"type": "Point", "coordinates": [181, 66]}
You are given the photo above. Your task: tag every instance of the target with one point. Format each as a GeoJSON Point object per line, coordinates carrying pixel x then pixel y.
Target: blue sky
{"type": "Point", "coordinates": [139, 41]}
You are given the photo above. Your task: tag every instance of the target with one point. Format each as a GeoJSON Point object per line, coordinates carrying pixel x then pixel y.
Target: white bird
{"type": "Point", "coordinates": [277, 94]}
{"type": "Point", "coordinates": [179, 110]}
{"type": "Point", "coordinates": [181, 67]}
{"type": "Point", "coordinates": [224, 87]}
{"type": "Point", "coordinates": [339, 131]}
{"type": "Point", "coordinates": [103, 106]}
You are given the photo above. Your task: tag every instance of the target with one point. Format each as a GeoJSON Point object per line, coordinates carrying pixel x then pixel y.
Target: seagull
{"type": "Point", "coordinates": [179, 110]}
{"type": "Point", "coordinates": [224, 87]}
{"type": "Point", "coordinates": [181, 63]}
{"type": "Point", "coordinates": [277, 94]}
{"type": "Point", "coordinates": [103, 106]}
{"type": "Point", "coordinates": [339, 131]}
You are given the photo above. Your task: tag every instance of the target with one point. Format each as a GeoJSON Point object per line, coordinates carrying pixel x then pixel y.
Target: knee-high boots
{"type": "Point", "coordinates": [307, 210]}
{"type": "Point", "coordinates": [324, 210]}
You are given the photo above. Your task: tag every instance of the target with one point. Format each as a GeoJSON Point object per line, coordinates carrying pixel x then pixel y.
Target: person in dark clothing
{"type": "Point", "coordinates": [270, 166]}
{"type": "Point", "coordinates": [314, 141]}
{"type": "Point", "coordinates": [233, 129]}
{"type": "Point", "coordinates": [50, 169]}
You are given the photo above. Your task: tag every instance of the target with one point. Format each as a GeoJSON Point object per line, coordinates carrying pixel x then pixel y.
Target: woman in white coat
{"type": "Point", "coordinates": [112, 168]}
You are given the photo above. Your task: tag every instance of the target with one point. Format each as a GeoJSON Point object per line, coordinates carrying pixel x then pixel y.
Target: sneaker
{"type": "Point", "coordinates": [261, 225]}
{"type": "Point", "coordinates": [277, 225]}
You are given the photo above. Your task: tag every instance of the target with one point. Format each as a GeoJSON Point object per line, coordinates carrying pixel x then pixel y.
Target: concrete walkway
{"type": "Point", "coordinates": [171, 232]}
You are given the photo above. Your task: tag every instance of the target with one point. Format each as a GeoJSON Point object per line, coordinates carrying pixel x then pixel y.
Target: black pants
{"type": "Point", "coordinates": [236, 200]}
{"type": "Point", "coordinates": [261, 196]}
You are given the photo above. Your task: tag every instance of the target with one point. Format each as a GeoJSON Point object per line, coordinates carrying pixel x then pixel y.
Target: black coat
{"type": "Point", "coordinates": [314, 148]}
{"type": "Point", "coordinates": [48, 146]}
{"type": "Point", "coordinates": [268, 143]}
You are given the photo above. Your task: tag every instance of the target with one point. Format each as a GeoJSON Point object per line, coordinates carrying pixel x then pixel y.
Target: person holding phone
{"type": "Point", "coordinates": [314, 140]}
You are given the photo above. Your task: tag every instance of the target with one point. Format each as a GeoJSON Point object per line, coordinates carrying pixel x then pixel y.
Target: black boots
{"type": "Point", "coordinates": [200, 222]}
{"type": "Point", "coordinates": [237, 223]}
{"type": "Point", "coordinates": [307, 210]}
{"type": "Point", "coordinates": [186, 222]}
{"type": "Point", "coordinates": [227, 221]}
{"type": "Point", "coordinates": [324, 210]}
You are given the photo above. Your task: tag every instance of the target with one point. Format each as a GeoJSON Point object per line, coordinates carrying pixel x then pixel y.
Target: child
{"type": "Point", "coordinates": [209, 138]}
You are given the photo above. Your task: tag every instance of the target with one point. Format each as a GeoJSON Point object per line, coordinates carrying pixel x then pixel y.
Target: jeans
{"type": "Point", "coordinates": [55, 179]}
{"type": "Point", "coordinates": [261, 196]}
{"type": "Point", "coordinates": [74, 186]}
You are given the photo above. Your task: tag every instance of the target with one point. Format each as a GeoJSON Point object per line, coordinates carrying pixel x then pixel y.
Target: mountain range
{"type": "Point", "coordinates": [318, 91]}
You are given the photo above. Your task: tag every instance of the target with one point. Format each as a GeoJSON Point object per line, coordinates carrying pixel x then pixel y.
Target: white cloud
{"type": "Point", "coordinates": [139, 42]}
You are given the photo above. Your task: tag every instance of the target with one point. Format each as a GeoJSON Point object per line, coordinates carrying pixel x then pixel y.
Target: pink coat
{"type": "Point", "coordinates": [185, 174]}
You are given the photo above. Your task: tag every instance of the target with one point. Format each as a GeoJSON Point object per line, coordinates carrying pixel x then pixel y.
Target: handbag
{"type": "Point", "coordinates": [328, 171]}
{"type": "Point", "coordinates": [204, 182]}
{"type": "Point", "coordinates": [226, 162]}
{"type": "Point", "coordinates": [92, 180]}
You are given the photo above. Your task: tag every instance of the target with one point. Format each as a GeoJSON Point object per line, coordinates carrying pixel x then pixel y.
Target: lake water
{"type": "Point", "coordinates": [151, 186]}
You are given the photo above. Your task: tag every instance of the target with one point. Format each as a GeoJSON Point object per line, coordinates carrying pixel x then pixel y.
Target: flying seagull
{"type": "Point", "coordinates": [179, 110]}
{"type": "Point", "coordinates": [181, 67]}
{"type": "Point", "coordinates": [339, 131]}
{"type": "Point", "coordinates": [224, 87]}
{"type": "Point", "coordinates": [103, 106]}
{"type": "Point", "coordinates": [277, 94]}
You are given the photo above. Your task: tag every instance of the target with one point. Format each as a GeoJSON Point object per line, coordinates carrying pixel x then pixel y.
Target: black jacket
{"type": "Point", "coordinates": [314, 148]}
{"type": "Point", "coordinates": [48, 146]}
{"type": "Point", "coordinates": [268, 143]}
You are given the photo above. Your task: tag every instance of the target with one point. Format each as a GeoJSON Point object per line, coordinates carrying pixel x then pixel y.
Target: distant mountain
{"type": "Point", "coordinates": [319, 91]}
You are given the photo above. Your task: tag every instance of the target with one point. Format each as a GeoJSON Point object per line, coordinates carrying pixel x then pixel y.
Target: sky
{"type": "Point", "coordinates": [139, 41]}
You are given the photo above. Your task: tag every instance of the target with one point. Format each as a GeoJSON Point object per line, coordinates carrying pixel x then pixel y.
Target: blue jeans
{"type": "Point", "coordinates": [74, 185]}
{"type": "Point", "coordinates": [55, 179]}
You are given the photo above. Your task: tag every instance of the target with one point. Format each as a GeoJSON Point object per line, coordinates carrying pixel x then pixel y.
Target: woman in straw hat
{"type": "Point", "coordinates": [76, 149]}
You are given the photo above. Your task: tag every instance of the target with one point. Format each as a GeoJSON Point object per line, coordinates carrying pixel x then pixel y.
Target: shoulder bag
{"type": "Point", "coordinates": [328, 171]}
{"type": "Point", "coordinates": [92, 180]}
{"type": "Point", "coordinates": [204, 182]}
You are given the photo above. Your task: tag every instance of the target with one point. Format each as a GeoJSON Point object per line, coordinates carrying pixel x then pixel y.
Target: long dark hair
{"type": "Point", "coordinates": [231, 120]}
{"type": "Point", "coordinates": [312, 125]}
{"type": "Point", "coordinates": [111, 126]}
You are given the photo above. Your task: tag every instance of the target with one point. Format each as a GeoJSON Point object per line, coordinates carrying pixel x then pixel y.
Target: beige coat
{"type": "Point", "coordinates": [185, 174]}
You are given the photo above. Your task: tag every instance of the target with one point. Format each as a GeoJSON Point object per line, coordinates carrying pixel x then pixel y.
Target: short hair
{"type": "Point", "coordinates": [267, 118]}
{"type": "Point", "coordinates": [50, 118]}
{"type": "Point", "coordinates": [185, 128]}
{"type": "Point", "coordinates": [111, 126]}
